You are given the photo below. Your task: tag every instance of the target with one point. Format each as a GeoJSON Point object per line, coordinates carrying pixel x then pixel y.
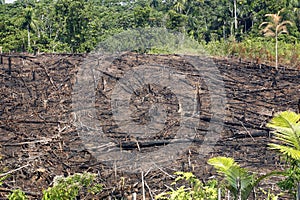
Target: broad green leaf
{"type": "Point", "coordinates": [287, 132]}
{"type": "Point", "coordinates": [285, 119]}
{"type": "Point", "coordinates": [289, 151]}
{"type": "Point", "coordinates": [222, 163]}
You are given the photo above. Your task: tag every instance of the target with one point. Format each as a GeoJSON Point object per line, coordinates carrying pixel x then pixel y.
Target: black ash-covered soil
{"type": "Point", "coordinates": [39, 139]}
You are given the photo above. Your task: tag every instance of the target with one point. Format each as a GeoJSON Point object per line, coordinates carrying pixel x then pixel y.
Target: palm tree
{"type": "Point", "coordinates": [180, 6]}
{"type": "Point", "coordinates": [275, 27]}
{"type": "Point", "coordinates": [184, 6]}
{"type": "Point", "coordinates": [28, 22]}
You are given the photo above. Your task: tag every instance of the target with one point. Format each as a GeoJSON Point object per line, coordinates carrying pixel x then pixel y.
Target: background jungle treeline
{"type": "Point", "coordinates": [79, 25]}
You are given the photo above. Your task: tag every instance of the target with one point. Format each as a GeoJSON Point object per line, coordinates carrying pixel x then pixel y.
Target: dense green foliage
{"type": "Point", "coordinates": [79, 25]}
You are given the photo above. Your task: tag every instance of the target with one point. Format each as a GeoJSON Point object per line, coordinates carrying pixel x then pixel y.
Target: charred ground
{"type": "Point", "coordinates": [39, 139]}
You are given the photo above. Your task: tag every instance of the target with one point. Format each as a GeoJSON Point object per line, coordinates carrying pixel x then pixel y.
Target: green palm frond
{"type": "Point", "coordinates": [289, 151]}
{"type": "Point", "coordinates": [287, 131]}
{"type": "Point", "coordinates": [288, 137]}
{"type": "Point", "coordinates": [284, 119]}
{"type": "Point", "coordinates": [237, 178]}
{"type": "Point", "coordinates": [222, 164]}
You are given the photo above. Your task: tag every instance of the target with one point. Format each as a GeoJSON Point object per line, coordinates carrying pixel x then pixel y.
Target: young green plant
{"type": "Point", "coordinates": [286, 127]}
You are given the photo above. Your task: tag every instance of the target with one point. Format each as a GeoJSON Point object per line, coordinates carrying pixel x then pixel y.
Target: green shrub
{"type": "Point", "coordinates": [257, 49]}
{"type": "Point", "coordinates": [71, 186]}
{"type": "Point", "coordinates": [65, 188]}
{"type": "Point", "coordinates": [17, 195]}
{"type": "Point", "coordinates": [196, 190]}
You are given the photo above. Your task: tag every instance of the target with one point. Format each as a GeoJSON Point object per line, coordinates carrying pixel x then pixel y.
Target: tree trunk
{"type": "Point", "coordinates": [9, 65]}
{"type": "Point", "coordinates": [28, 37]}
{"type": "Point", "coordinates": [219, 194]}
{"type": "Point", "coordinates": [239, 188]}
{"type": "Point", "coordinates": [235, 16]}
{"type": "Point", "coordinates": [298, 191]}
{"type": "Point", "coordinates": [276, 50]}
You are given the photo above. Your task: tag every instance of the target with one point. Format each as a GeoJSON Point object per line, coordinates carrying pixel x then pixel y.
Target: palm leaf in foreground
{"type": "Point", "coordinates": [287, 131]}
{"type": "Point", "coordinates": [239, 181]}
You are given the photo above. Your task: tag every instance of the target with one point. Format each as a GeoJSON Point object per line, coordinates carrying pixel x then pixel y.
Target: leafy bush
{"type": "Point", "coordinates": [70, 187]}
{"type": "Point", "coordinates": [17, 195]}
{"type": "Point", "coordinates": [196, 190]}
{"type": "Point", "coordinates": [65, 188]}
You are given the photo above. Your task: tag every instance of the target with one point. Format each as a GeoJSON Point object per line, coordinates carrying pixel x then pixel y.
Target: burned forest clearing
{"type": "Point", "coordinates": [39, 138]}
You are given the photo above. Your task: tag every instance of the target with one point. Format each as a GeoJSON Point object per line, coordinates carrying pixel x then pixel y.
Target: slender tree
{"type": "Point", "coordinates": [28, 22]}
{"type": "Point", "coordinates": [235, 16]}
{"type": "Point", "coordinates": [273, 28]}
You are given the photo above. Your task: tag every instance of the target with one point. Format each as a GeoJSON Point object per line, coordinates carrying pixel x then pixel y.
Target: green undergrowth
{"type": "Point", "coordinates": [259, 50]}
{"type": "Point", "coordinates": [66, 188]}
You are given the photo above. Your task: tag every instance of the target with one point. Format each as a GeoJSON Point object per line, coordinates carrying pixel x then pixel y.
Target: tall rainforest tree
{"type": "Point", "coordinates": [275, 27]}
{"type": "Point", "coordinates": [28, 22]}
{"type": "Point", "coordinates": [74, 19]}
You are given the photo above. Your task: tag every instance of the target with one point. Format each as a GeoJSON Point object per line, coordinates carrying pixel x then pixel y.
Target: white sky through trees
{"type": "Point", "coordinates": [9, 1]}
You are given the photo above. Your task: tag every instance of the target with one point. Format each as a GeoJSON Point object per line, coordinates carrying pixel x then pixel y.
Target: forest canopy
{"type": "Point", "coordinates": [77, 26]}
